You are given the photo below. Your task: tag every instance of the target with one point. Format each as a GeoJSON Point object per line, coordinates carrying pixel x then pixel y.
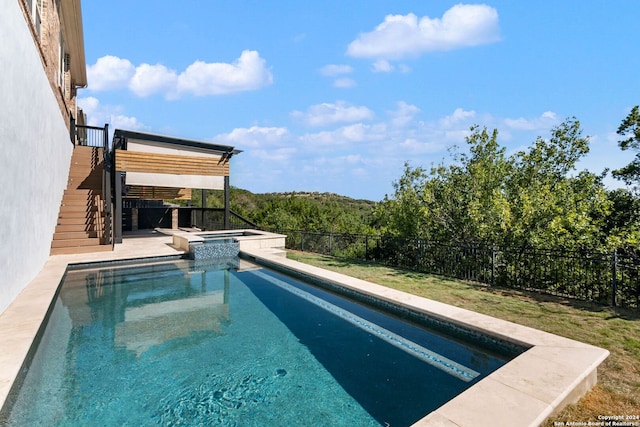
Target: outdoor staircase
{"type": "Point", "coordinates": [81, 220]}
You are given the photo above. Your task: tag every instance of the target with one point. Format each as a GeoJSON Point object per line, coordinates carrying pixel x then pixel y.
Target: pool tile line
{"type": "Point", "coordinates": [505, 346]}
{"type": "Point", "coordinates": [436, 360]}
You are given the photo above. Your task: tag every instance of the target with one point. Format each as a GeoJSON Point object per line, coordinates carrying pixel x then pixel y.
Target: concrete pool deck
{"type": "Point", "coordinates": [554, 372]}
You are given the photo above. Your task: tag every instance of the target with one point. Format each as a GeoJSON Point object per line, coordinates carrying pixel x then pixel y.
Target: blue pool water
{"type": "Point", "coordinates": [188, 342]}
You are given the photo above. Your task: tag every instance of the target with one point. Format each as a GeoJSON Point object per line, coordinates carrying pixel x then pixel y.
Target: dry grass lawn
{"type": "Point", "coordinates": [617, 330]}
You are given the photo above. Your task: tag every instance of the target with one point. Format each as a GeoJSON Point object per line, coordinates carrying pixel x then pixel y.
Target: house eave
{"type": "Point", "coordinates": [72, 30]}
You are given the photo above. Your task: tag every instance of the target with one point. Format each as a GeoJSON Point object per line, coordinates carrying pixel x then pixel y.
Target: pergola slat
{"type": "Point", "coordinates": [136, 161]}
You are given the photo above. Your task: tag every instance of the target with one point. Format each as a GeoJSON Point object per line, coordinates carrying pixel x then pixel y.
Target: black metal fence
{"type": "Point", "coordinates": [153, 214]}
{"type": "Point", "coordinates": [213, 219]}
{"type": "Point", "coordinates": [608, 278]}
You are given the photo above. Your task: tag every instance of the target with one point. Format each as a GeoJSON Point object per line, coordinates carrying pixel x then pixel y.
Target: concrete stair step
{"type": "Point", "coordinates": [85, 179]}
{"type": "Point", "coordinates": [80, 249]}
{"type": "Point", "coordinates": [78, 202]}
{"type": "Point", "coordinates": [77, 209]}
{"type": "Point", "coordinates": [90, 201]}
{"type": "Point", "coordinates": [87, 153]}
{"type": "Point", "coordinates": [81, 149]}
{"type": "Point", "coordinates": [84, 175]}
{"type": "Point", "coordinates": [88, 163]}
{"type": "Point", "coordinates": [75, 228]}
{"type": "Point", "coordinates": [74, 218]}
{"type": "Point", "coordinates": [84, 186]}
{"type": "Point", "coordinates": [77, 220]}
{"type": "Point", "coordinates": [74, 235]}
{"type": "Point", "coordinates": [86, 170]}
{"type": "Point", "coordinates": [66, 243]}
{"type": "Point", "coordinates": [80, 192]}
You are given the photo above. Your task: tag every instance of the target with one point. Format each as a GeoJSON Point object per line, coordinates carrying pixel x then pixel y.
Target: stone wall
{"type": "Point", "coordinates": [47, 43]}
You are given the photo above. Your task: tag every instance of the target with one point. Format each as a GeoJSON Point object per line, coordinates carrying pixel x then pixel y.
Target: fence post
{"type": "Point", "coordinates": [614, 277]}
{"type": "Point", "coordinates": [331, 244]}
{"type": "Point", "coordinates": [366, 247]}
{"type": "Point", "coordinates": [493, 265]}
{"type": "Point", "coordinates": [301, 241]}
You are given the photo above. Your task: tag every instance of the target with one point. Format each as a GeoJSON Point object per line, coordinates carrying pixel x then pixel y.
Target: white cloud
{"type": "Point", "coordinates": [546, 120]}
{"type": "Point", "coordinates": [109, 73]}
{"type": "Point", "coordinates": [254, 136]}
{"type": "Point", "coordinates": [120, 121]}
{"type": "Point", "coordinates": [355, 133]}
{"type": "Point", "coordinates": [459, 116]}
{"type": "Point", "coordinates": [382, 66]}
{"type": "Point", "coordinates": [344, 83]}
{"type": "Point", "coordinates": [612, 137]}
{"type": "Point", "coordinates": [414, 147]}
{"type": "Point", "coordinates": [404, 114]}
{"type": "Point", "coordinates": [328, 114]}
{"type": "Point", "coordinates": [333, 70]}
{"type": "Point", "coordinates": [282, 155]}
{"type": "Point", "coordinates": [401, 36]}
{"type": "Point", "coordinates": [89, 105]}
{"type": "Point", "coordinates": [248, 72]}
{"type": "Point", "coordinates": [99, 115]}
{"type": "Point", "coordinates": [353, 158]}
{"type": "Point", "coordinates": [150, 79]}
{"type": "Point", "coordinates": [455, 136]}
{"type": "Point", "coordinates": [367, 153]}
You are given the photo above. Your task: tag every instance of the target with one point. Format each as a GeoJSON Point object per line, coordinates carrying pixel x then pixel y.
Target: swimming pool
{"type": "Point", "coordinates": [187, 342]}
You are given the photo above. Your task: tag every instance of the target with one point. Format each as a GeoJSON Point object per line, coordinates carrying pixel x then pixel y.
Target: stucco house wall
{"type": "Point", "coordinates": [35, 152]}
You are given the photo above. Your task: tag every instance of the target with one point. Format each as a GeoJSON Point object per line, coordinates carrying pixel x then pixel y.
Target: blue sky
{"type": "Point", "coordinates": [335, 96]}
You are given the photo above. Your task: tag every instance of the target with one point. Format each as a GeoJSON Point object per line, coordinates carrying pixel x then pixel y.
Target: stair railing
{"type": "Point", "coordinates": [106, 187]}
{"type": "Point", "coordinates": [94, 136]}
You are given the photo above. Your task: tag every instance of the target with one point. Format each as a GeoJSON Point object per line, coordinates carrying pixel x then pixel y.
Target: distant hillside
{"type": "Point", "coordinates": [298, 210]}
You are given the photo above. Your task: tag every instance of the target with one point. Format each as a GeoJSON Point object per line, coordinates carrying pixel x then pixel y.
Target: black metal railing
{"type": "Point", "coordinates": [107, 185]}
{"type": "Point", "coordinates": [93, 136]}
{"type": "Point", "coordinates": [605, 277]}
{"type": "Point", "coordinates": [213, 219]}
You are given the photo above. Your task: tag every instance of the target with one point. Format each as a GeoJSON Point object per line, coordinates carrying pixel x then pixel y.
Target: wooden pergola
{"type": "Point", "coordinates": [166, 168]}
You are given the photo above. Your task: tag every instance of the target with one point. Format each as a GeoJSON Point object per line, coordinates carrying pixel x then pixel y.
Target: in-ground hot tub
{"type": "Point", "coordinates": [246, 239]}
{"type": "Point", "coordinates": [214, 248]}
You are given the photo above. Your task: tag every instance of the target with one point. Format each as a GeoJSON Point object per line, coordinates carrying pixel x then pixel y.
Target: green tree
{"type": "Point", "coordinates": [551, 208]}
{"type": "Point", "coordinates": [464, 201]}
{"type": "Point", "coordinates": [622, 226]}
{"type": "Point", "coordinates": [403, 214]}
{"type": "Point", "coordinates": [630, 127]}
{"type": "Point", "coordinates": [528, 199]}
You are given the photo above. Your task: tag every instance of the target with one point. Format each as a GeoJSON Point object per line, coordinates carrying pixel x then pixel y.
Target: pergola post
{"type": "Point", "coordinates": [203, 205]}
{"type": "Point", "coordinates": [227, 208]}
{"type": "Point", "coordinates": [118, 207]}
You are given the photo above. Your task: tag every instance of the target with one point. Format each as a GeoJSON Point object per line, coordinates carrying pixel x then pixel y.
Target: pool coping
{"type": "Point", "coordinates": [554, 372]}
